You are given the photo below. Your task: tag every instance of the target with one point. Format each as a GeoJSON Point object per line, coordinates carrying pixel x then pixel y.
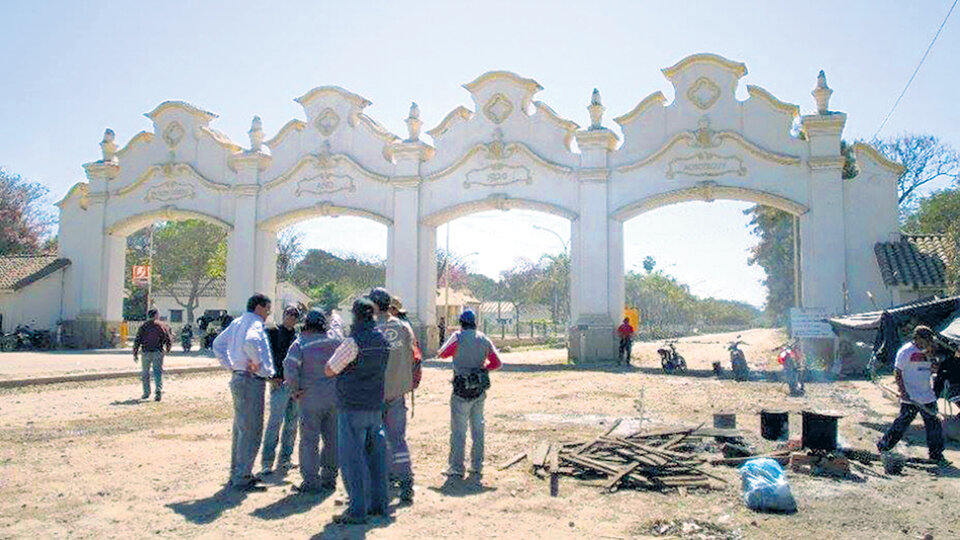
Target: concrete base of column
{"type": "Point", "coordinates": [592, 339]}
{"type": "Point", "coordinates": [428, 335]}
{"type": "Point", "coordinates": [88, 331]}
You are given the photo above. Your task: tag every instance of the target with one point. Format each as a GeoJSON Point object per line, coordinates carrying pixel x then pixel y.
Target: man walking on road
{"type": "Point", "coordinates": [284, 410]}
{"type": "Point", "coordinates": [912, 370]}
{"type": "Point", "coordinates": [154, 338]}
{"type": "Point", "coordinates": [398, 382]}
{"type": "Point", "coordinates": [243, 348]}
{"type": "Point", "coordinates": [317, 396]}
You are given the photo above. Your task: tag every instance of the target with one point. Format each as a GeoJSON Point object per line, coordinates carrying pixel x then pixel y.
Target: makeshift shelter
{"type": "Point", "coordinates": [888, 329]}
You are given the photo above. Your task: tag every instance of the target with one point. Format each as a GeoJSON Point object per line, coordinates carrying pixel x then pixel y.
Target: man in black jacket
{"type": "Point", "coordinates": [284, 410]}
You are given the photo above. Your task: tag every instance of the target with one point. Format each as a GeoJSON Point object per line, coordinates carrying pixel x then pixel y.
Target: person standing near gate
{"type": "Point", "coordinates": [625, 332]}
{"type": "Point", "coordinates": [912, 370]}
{"type": "Point", "coordinates": [317, 394]}
{"type": "Point", "coordinates": [284, 410]}
{"type": "Point", "coordinates": [398, 382]}
{"type": "Point", "coordinates": [243, 348]}
{"type": "Point", "coordinates": [359, 364]}
{"type": "Point", "coordinates": [474, 356]}
{"type": "Point", "coordinates": [154, 338]}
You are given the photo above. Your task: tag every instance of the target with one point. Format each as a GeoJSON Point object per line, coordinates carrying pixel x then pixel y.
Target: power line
{"type": "Point", "coordinates": [925, 53]}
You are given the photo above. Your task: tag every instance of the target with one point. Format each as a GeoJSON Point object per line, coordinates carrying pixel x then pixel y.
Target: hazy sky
{"type": "Point", "coordinates": [73, 68]}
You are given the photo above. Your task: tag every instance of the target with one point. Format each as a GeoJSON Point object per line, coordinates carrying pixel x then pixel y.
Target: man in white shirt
{"type": "Point", "coordinates": [243, 348]}
{"type": "Point", "coordinates": [912, 370]}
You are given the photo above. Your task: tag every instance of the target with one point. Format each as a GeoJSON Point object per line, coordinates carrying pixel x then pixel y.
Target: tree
{"type": "Point", "coordinates": [350, 273]}
{"type": "Point", "coordinates": [458, 269]}
{"type": "Point", "coordinates": [289, 252]}
{"type": "Point", "coordinates": [23, 220]}
{"type": "Point", "coordinates": [649, 263]}
{"type": "Point", "coordinates": [516, 284]}
{"type": "Point", "coordinates": [939, 213]}
{"type": "Point", "coordinates": [329, 295]}
{"type": "Point", "coordinates": [483, 287]}
{"type": "Point", "coordinates": [925, 157]}
{"type": "Point", "coordinates": [552, 284]}
{"type": "Point", "coordinates": [190, 252]}
{"type": "Point", "coordinates": [774, 253]}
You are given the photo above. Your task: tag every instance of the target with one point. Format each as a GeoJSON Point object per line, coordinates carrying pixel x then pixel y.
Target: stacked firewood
{"type": "Point", "coordinates": [659, 460]}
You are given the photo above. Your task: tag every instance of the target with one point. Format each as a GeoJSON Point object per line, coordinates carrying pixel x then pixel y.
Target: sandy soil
{"type": "Point", "coordinates": [88, 460]}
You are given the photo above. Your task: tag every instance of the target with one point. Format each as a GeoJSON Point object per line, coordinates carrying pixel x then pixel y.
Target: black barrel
{"type": "Point", "coordinates": [775, 425]}
{"type": "Point", "coordinates": [820, 430]}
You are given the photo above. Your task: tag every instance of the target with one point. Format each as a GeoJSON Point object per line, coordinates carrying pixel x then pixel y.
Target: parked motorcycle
{"type": "Point", "coordinates": [789, 358]}
{"type": "Point", "coordinates": [670, 359]}
{"type": "Point", "coordinates": [186, 337]}
{"type": "Point", "coordinates": [738, 361]}
{"type": "Point", "coordinates": [24, 337]}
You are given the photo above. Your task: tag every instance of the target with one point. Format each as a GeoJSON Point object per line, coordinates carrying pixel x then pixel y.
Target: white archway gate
{"type": "Point", "coordinates": [509, 151]}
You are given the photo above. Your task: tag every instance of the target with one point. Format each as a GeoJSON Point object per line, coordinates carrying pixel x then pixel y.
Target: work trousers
{"type": "Point", "coordinates": [247, 391]}
{"type": "Point", "coordinates": [395, 425]}
{"type": "Point", "coordinates": [362, 452]}
{"type": "Point", "coordinates": [930, 421]}
{"type": "Point", "coordinates": [626, 346]}
{"type": "Point", "coordinates": [462, 412]}
{"type": "Point", "coordinates": [284, 411]}
{"type": "Point", "coordinates": [152, 359]}
{"type": "Point", "coordinates": [318, 424]}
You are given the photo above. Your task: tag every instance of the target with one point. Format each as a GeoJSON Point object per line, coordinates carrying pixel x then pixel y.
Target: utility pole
{"type": "Point", "coordinates": [150, 268]}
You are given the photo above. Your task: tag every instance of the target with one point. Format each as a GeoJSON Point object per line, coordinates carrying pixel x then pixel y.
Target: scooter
{"type": "Point", "coordinates": [670, 360]}
{"type": "Point", "coordinates": [789, 358]}
{"type": "Point", "coordinates": [738, 361]}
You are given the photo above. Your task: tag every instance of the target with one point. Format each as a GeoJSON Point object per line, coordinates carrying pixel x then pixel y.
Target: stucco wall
{"type": "Point", "coordinates": [37, 304]}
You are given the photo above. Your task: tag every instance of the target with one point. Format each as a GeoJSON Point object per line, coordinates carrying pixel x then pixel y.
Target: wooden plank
{"type": "Point", "coordinates": [782, 458]}
{"type": "Point", "coordinates": [539, 454]}
{"type": "Point", "coordinates": [589, 444]}
{"type": "Point", "coordinates": [512, 461]}
{"type": "Point", "coordinates": [612, 483]}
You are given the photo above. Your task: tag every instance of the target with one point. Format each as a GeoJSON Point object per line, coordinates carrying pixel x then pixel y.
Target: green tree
{"type": "Point", "coordinates": [289, 252]}
{"type": "Point", "coordinates": [190, 252]}
{"type": "Point", "coordinates": [649, 263]}
{"type": "Point", "coordinates": [517, 284]}
{"type": "Point", "coordinates": [329, 295]}
{"type": "Point", "coordinates": [24, 222]}
{"type": "Point", "coordinates": [552, 284]}
{"type": "Point", "coordinates": [483, 287]}
{"type": "Point", "coordinates": [939, 213]}
{"type": "Point", "coordinates": [925, 159]}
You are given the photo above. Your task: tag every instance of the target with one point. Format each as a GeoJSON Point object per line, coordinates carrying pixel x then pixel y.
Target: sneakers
{"type": "Point", "coordinates": [475, 476]}
{"type": "Point", "coordinates": [406, 490]}
{"type": "Point", "coordinates": [306, 489]}
{"type": "Point", "coordinates": [942, 462]}
{"type": "Point", "coordinates": [157, 397]}
{"type": "Point", "coordinates": [249, 487]}
{"type": "Point", "coordinates": [453, 474]}
{"type": "Point", "coordinates": [145, 396]}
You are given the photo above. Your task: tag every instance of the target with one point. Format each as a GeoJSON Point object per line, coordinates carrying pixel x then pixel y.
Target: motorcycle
{"type": "Point", "coordinates": [186, 338]}
{"type": "Point", "coordinates": [789, 358]}
{"type": "Point", "coordinates": [670, 359]}
{"type": "Point", "coordinates": [738, 361]}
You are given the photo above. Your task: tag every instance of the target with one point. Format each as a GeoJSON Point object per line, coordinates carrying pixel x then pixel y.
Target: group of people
{"type": "Point", "coordinates": [347, 392]}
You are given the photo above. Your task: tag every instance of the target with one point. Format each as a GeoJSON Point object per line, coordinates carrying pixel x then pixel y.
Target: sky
{"type": "Point", "coordinates": [72, 69]}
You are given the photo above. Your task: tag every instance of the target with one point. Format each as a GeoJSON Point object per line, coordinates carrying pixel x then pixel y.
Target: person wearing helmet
{"type": "Point", "coordinates": [316, 394]}
{"type": "Point", "coordinates": [474, 356]}
{"type": "Point", "coordinates": [398, 382]}
{"type": "Point", "coordinates": [282, 422]}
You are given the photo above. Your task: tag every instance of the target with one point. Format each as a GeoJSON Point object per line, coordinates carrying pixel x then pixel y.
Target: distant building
{"type": "Point", "coordinates": [213, 300]}
{"type": "Point", "coordinates": [31, 291]}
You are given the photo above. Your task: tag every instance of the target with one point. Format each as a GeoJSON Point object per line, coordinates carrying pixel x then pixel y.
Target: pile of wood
{"type": "Point", "coordinates": [658, 460]}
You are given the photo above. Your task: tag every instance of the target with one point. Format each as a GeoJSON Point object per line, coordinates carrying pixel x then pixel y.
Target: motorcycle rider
{"type": "Point", "coordinates": [186, 337]}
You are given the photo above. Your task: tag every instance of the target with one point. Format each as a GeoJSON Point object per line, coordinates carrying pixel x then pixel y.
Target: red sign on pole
{"type": "Point", "coordinates": [141, 274]}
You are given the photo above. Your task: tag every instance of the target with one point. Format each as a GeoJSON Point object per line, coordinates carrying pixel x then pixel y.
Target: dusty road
{"type": "Point", "coordinates": [88, 460]}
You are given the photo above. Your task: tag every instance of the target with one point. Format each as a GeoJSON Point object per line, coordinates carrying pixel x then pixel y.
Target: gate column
{"type": "Point", "coordinates": [822, 234]}
{"type": "Point", "coordinates": [244, 244]}
{"type": "Point", "coordinates": [591, 336]}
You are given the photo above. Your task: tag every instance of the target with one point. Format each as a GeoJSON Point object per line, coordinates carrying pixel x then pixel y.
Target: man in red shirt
{"type": "Point", "coordinates": [625, 331]}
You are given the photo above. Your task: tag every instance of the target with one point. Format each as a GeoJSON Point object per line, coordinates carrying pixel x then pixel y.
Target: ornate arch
{"type": "Point", "coordinates": [708, 191]}
{"type": "Point", "coordinates": [127, 225]}
{"type": "Point", "coordinates": [321, 209]}
{"type": "Point", "coordinates": [496, 201]}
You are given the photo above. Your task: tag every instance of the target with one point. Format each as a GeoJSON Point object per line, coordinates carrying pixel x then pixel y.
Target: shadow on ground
{"type": "Point", "coordinates": [292, 504]}
{"type": "Point", "coordinates": [134, 401]}
{"type": "Point", "coordinates": [352, 532]}
{"type": "Point", "coordinates": [456, 487]}
{"type": "Point", "coordinates": [208, 509]}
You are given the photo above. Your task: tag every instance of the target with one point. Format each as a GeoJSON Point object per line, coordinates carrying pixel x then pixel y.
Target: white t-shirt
{"type": "Point", "coordinates": [916, 369]}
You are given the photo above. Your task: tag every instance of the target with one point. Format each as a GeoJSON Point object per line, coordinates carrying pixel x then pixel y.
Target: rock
{"type": "Point", "coordinates": [571, 526]}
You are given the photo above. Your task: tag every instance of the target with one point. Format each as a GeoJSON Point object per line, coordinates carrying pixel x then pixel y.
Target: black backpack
{"type": "Point", "coordinates": [472, 385]}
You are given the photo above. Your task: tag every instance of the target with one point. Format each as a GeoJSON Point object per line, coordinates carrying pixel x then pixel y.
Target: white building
{"type": "Point", "coordinates": [31, 291]}
{"type": "Point", "coordinates": [214, 300]}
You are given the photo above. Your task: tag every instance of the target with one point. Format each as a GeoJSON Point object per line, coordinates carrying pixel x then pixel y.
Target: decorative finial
{"type": "Point", "coordinates": [256, 134]}
{"type": "Point", "coordinates": [414, 123]}
{"type": "Point", "coordinates": [596, 109]}
{"type": "Point", "coordinates": [822, 94]}
{"type": "Point", "coordinates": [108, 146]}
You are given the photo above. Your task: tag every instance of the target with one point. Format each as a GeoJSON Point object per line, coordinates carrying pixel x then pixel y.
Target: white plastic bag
{"type": "Point", "coordinates": [765, 486]}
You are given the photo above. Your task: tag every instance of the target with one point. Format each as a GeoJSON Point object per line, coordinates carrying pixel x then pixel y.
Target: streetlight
{"type": "Point", "coordinates": [553, 232]}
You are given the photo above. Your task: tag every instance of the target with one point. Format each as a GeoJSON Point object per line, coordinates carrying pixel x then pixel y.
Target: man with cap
{"type": "Point", "coordinates": [474, 355]}
{"type": "Point", "coordinates": [912, 369]}
{"type": "Point", "coordinates": [284, 410]}
{"type": "Point", "coordinates": [359, 364]}
{"type": "Point", "coordinates": [398, 382]}
{"type": "Point", "coordinates": [244, 349]}
{"type": "Point", "coordinates": [317, 394]}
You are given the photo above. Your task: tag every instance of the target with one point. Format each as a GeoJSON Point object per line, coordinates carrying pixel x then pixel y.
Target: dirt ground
{"type": "Point", "coordinates": [90, 460]}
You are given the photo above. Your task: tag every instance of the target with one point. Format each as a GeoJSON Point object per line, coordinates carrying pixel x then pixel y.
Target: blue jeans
{"type": "Point", "coordinates": [247, 393]}
{"type": "Point", "coordinates": [154, 358]}
{"type": "Point", "coordinates": [362, 452]}
{"type": "Point", "coordinates": [463, 411]}
{"type": "Point", "coordinates": [283, 410]}
{"type": "Point", "coordinates": [318, 424]}
{"type": "Point", "coordinates": [930, 421]}
{"type": "Point", "coordinates": [395, 424]}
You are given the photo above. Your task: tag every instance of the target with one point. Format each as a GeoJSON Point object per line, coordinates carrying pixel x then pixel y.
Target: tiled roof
{"type": "Point", "coordinates": [914, 261]}
{"type": "Point", "coordinates": [18, 271]}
